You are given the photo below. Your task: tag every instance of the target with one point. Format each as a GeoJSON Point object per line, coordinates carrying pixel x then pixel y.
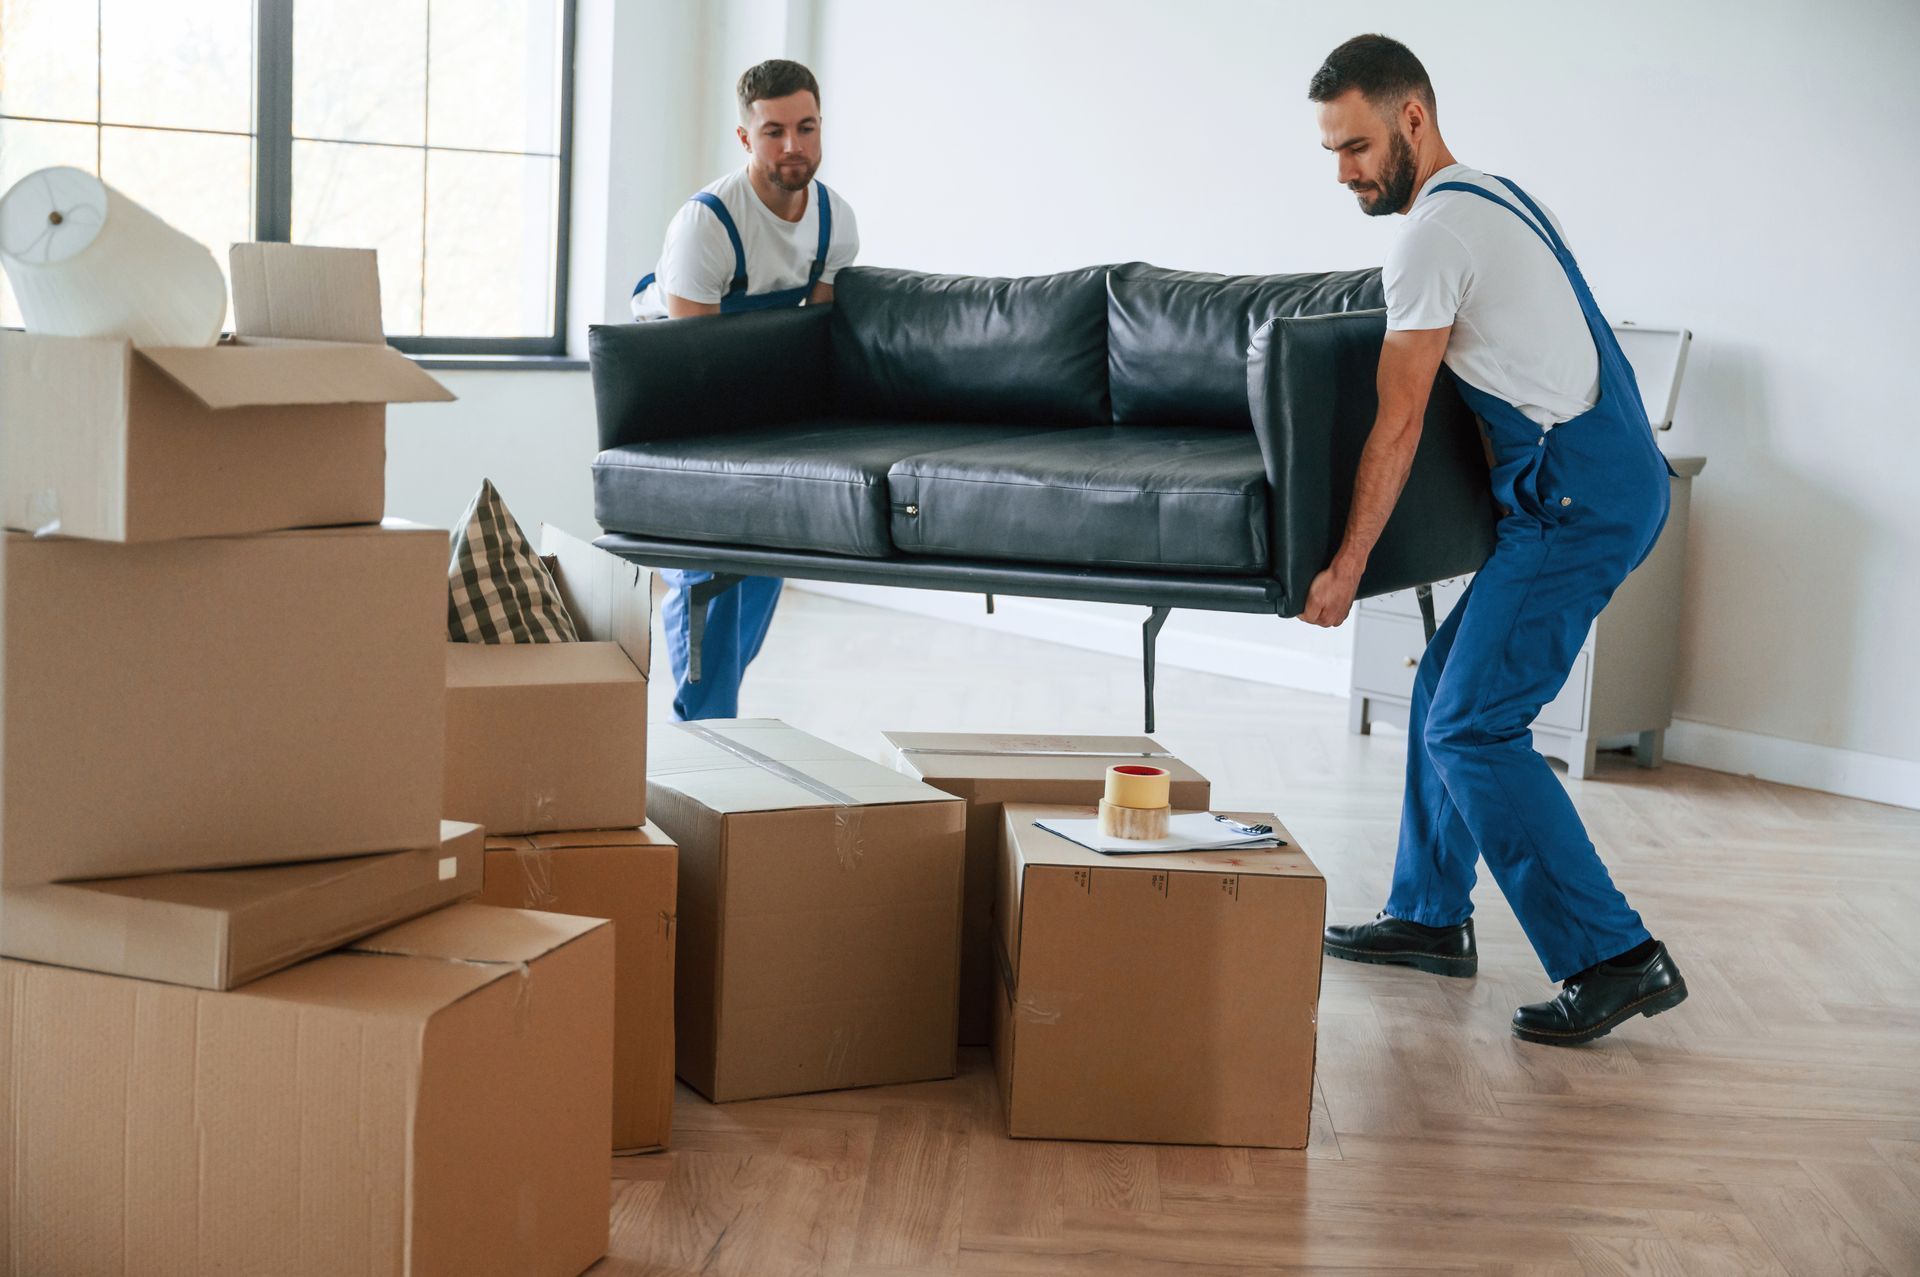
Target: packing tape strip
{"type": "Point", "coordinates": [1138, 786]}
{"type": "Point", "coordinates": [849, 843]}
{"type": "Point", "coordinates": [745, 753]}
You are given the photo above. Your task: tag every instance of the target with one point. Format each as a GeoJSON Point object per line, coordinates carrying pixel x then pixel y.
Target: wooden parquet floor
{"type": "Point", "coordinates": [1769, 1125]}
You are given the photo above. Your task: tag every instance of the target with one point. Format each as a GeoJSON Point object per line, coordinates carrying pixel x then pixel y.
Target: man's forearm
{"type": "Point", "coordinates": [1384, 464]}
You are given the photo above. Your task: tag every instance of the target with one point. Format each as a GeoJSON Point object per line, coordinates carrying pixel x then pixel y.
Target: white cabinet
{"type": "Point", "coordinates": [1621, 683]}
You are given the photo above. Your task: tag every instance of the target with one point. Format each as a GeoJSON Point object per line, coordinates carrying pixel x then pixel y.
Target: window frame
{"type": "Point", "coordinates": [273, 177]}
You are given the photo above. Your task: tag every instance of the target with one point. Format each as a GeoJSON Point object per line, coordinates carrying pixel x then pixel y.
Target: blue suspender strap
{"type": "Point", "coordinates": [826, 234]}
{"type": "Point", "coordinates": [1484, 193]}
{"type": "Point", "coordinates": [1546, 223]}
{"type": "Point", "coordinates": [719, 210]}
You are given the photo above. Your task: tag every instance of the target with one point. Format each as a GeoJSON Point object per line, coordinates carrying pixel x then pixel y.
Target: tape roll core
{"type": "Point", "coordinates": [1138, 786]}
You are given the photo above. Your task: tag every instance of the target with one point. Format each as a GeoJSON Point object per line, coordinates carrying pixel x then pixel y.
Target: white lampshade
{"type": "Point", "coordinates": [86, 261]}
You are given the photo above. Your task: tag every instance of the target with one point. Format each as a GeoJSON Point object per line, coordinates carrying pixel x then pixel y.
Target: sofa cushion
{"type": "Point", "coordinates": [1177, 340]}
{"type": "Point", "coordinates": [814, 485]}
{"type": "Point", "coordinates": [970, 348]}
{"type": "Point", "coordinates": [1177, 498]}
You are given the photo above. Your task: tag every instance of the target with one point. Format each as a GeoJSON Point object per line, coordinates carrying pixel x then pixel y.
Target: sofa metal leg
{"type": "Point", "coordinates": [1423, 595]}
{"type": "Point", "coordinates": [1149, 633]}
{"type": "Point", "coordinates": [989, 605]}
{"type": "Point", "coordinates": [698, 596]}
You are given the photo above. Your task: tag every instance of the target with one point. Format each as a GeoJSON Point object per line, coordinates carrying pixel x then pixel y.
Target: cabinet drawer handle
{"type": "Point", "coordinates": [1413, 662]}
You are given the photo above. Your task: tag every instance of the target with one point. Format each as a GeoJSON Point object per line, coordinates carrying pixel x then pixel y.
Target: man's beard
{"type": "Point", "coordinates": [781, 178]}
{"type": "Point", "coordinates": [1396, 180]}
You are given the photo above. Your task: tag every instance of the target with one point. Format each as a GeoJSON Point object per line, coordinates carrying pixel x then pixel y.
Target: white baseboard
{"type": "Point", "coordinates": [1873, 777]}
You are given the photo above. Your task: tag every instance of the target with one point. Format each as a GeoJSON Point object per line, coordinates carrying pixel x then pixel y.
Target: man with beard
{"type": "Point", "coordinates": [766, 235]}
{"type": "Point", "coordinates": [1482, 280]}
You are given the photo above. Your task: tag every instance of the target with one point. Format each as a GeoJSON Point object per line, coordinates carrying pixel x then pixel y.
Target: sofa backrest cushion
{"type": "Point", "coordinates": [971, 348]}
{"type": "Point", "coordinates": [1177, 340]}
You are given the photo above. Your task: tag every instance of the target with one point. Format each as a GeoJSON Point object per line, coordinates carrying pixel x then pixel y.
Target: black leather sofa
{"type": "Point", "coordinates": [1122, 434]}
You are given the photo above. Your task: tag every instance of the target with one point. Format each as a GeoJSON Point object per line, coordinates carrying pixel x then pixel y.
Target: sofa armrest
{"type": "Point", "coordinates": [1311, 387]}
{"type": "Point", "coordinates": [669, 379]}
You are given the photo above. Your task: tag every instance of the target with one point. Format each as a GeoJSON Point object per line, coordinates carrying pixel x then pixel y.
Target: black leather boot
{"type": "Point", "coordinates": [1394, 943]}
{"type": "Point", "coordinates": [1592, 1003]}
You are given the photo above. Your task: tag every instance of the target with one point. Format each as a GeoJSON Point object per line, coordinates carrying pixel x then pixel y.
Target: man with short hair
{"type": "Point", "coordinates": [1482, 280]}
{"type": "Point", "coordinates": [767, 235]}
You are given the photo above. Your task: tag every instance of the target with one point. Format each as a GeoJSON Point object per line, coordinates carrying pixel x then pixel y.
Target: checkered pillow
{"type": "Point", "coordinates": [498, 590]}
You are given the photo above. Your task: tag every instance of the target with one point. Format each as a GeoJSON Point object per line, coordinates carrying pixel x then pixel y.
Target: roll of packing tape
{"type": "Point", "coordinates": [1138, 785]}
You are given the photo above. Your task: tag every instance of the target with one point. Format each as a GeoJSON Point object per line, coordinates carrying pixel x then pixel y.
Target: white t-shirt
{"type": "Point", "coordinates": [697, 262]}
{"type": "Point", "coordinates": [1518, 332]}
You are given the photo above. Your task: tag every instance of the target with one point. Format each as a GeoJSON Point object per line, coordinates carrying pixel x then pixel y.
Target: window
{"type": "Point", "coordinates": [435, 131]}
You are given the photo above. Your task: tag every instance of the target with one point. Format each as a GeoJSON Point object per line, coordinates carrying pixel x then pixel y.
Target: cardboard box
{"type": "Point", "coordinates": [991, 769]}
{"type": "Point", "coordinates": [1156, 999]}
{"type": "Point", "coordinates": [819, 912]}
{"type": "Point", "coordinates": [431, 1101]}
{"type": "Point", "coordinates": [220, 928]}
{"type": "Point", "coordinates": [627, 876]}
{"type": "Point", "coordinates": [544, 737]}
{"type": "Point", "coordinates": [282, 427]}
{"type": "Point", "coordinates": [230, 701]}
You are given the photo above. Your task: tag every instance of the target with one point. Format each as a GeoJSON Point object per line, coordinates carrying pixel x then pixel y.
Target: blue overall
{"type": "Point", "coordinates": [1582, 505]}
{"type": "Point", "coordinates": [737, 620]}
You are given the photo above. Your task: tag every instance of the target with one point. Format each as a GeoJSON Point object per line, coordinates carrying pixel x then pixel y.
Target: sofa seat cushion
{"type": "Point", "coordinates": [1173, 498]}
{"type": "Point", "coordinates": [815, 485]}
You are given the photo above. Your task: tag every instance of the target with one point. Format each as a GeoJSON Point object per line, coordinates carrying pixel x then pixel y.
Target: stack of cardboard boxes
{"type": "Point", "coordinates": [547, 748]}
{"type": "Point", "coordinates": [224, 715]}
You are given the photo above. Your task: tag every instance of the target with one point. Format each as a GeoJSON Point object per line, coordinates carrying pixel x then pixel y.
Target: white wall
{"type": "Point", "coordinates": [1740, 168]}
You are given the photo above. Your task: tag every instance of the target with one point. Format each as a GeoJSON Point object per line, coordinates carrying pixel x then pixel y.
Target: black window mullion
{"type": "Point", "coordinates": [563, 211]}
{"type": "Point", "coordinates": [273, 120]}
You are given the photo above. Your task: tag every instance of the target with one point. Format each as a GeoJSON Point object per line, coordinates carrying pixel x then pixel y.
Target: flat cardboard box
{"type": "Point", "coordinates": [220, 702]}
{"type": "Point", "coordinates": [1156, 999]}
{"type": "Point", "coordinates": [282, 427]}
{"type": "Point", "coordinates": [991, 769]}
{"type": "Point", "coordinates": [627, 876]}
{"type": "Point", "coordinates": [544, 737]}
{"type": "Point", "coordinates": [220, 928]}
{"type": "Point", "coordinates": [431, 1101]}
{"type": "Point", "coordinates": [819, 912]}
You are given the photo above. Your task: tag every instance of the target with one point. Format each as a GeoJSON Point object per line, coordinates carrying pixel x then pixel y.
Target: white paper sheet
{"type": "Point", "coordinates": [1187, 831]}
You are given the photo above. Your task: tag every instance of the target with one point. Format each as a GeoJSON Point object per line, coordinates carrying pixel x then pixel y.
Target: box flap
{"type": "Point", "coordinates": [610, 599]}
{"type": "Point", "coordinates": [761, 764]}
{"type": "Point", "coordinates": [248, 374]}
{"type": "Point", "coordinates": [472, 933]}
{"type": "Point", "coordinates": [299, 290]}
{"type": "Point", "coordinates": [998, 755]}
{"type": "Point", "coordinates": [537, 664]}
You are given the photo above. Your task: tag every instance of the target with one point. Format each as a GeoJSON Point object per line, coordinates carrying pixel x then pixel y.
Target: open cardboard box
{"type": "Point", "coordinates": [553, 736]}
{"type": "Point", "coordinates": [282, 426]}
